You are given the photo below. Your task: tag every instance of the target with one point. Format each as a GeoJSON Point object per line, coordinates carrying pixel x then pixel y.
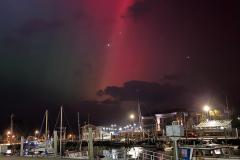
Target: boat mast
{"type": "Point", "coordinates": [227, 108]}
{"type": "Point", "coordinates": [78, 127]}
{"type": "Point", "coordinates": [11, 124]}
{"type": "Point", "coordinates": [11, 129]}
{"type": "Point", "coordinates": [46, 125]}
{"type": "Point", "coordinates": [79, 134]}
{"type": "Point", "coordinates": [61, 115]}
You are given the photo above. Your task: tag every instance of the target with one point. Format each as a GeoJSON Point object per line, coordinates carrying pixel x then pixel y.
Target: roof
{"type": "Point", "coordinates": [89, 126]}
{"type": "Point", "coordinates": [214, 124]}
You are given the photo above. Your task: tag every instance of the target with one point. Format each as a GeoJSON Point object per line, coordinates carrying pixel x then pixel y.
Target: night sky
{"type": "Point", "coordinates": [96, 56]}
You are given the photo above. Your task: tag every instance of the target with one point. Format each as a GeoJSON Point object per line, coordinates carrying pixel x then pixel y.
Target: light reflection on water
{"type": "Point", "coordinates": [133, 152]}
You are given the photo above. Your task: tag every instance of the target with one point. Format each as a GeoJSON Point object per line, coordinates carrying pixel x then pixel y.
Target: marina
{"type": "Point", "coordinates": [119, 80]}
{"type": "Point", "coordinates": [166, 141]}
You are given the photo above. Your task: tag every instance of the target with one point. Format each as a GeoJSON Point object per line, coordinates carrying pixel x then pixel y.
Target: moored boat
{"type": "Point", "coordinates": [219, 152]}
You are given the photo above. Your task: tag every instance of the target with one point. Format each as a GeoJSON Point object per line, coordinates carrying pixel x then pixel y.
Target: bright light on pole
{"type": "Point", "coordinates": [9, 136]}
{"type": "Point", "coordinates": [206, 108]}
{"type": "Point", "coordinates": [36, 133]}
{"type": "Point", "coordinates": [8, 132]}
{"type": "Point", "coordinates": [132, 116]}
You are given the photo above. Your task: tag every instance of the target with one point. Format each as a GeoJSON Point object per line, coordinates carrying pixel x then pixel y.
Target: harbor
{"type": "Point", "coordinates": [154, 137]}
{"type": "Point", "coordinates": [119, 80]}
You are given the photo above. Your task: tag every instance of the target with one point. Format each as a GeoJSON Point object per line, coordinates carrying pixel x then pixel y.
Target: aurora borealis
{"type": "Point", "coordinates": [61, 52]}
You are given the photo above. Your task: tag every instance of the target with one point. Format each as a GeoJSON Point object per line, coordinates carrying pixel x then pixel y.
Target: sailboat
{"type": "Point", "coordinates": [70, 154]}
{"type": "Point", "coordinates": [34, 146]}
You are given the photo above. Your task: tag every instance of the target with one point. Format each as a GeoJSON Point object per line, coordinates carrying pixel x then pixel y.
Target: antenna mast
{"type": "Point", "coordinates": [139, 114]}
{"type": "Point", "coordinates": [227, 108]}
{"type": "Point", "coordinates": [61, 123]}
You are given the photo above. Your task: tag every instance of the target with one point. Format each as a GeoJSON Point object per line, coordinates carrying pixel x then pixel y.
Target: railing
{"type": "Point", "coordinates": [143, 155]}
{"type": "Point", "coordinates": [150, 155]}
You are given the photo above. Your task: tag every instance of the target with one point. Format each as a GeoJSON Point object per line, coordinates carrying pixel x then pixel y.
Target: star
{"type": "Point", "coordinates": [108, 45]}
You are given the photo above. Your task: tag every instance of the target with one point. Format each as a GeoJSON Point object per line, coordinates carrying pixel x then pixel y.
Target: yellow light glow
{"type": "Point", "coordinates": [132, 116]}
{"type": "Point", "coordinates": [206, 108]}
{"type": "Point", "coordinates": [36, 132]}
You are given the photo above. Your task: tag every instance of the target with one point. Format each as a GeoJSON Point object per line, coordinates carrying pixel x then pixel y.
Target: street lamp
{"type": "Point", "coordinates": [8, 132]}
{"type": "Point", "coordinates": [70, 137]}
{"type": "Point", "coordinates": [8, 136]}
{"type": "Point", "coordinates": [36, 133]}
{"type": "Point", "coordinates": [132, 119]}
{"type": "Point", "coordinates": [206, 109]}
{"type": "Point", "coordinates": [132, 116]}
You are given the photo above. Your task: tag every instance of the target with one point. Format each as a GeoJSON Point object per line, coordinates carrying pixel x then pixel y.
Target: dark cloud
{"type": "Point", "coordinates": [141, 8]}
{"type": "Point", "coordinates": [174, 92]}
{"type": "Point", "coordinates": [148, 91]}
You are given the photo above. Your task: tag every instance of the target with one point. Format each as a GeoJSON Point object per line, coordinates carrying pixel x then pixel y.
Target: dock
{"type": "Point", "coordinates": [30, 158]}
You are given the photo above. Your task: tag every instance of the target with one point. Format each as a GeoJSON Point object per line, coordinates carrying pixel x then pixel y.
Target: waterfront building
{"type": "Point", "coordinates": [98, 132]}
{"type": "Point", "coordinates": [194, 123]}
{"type": "Point", "coordinates": [214, 128]}
{"type": "Point", "coordinates": [164, 119]}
